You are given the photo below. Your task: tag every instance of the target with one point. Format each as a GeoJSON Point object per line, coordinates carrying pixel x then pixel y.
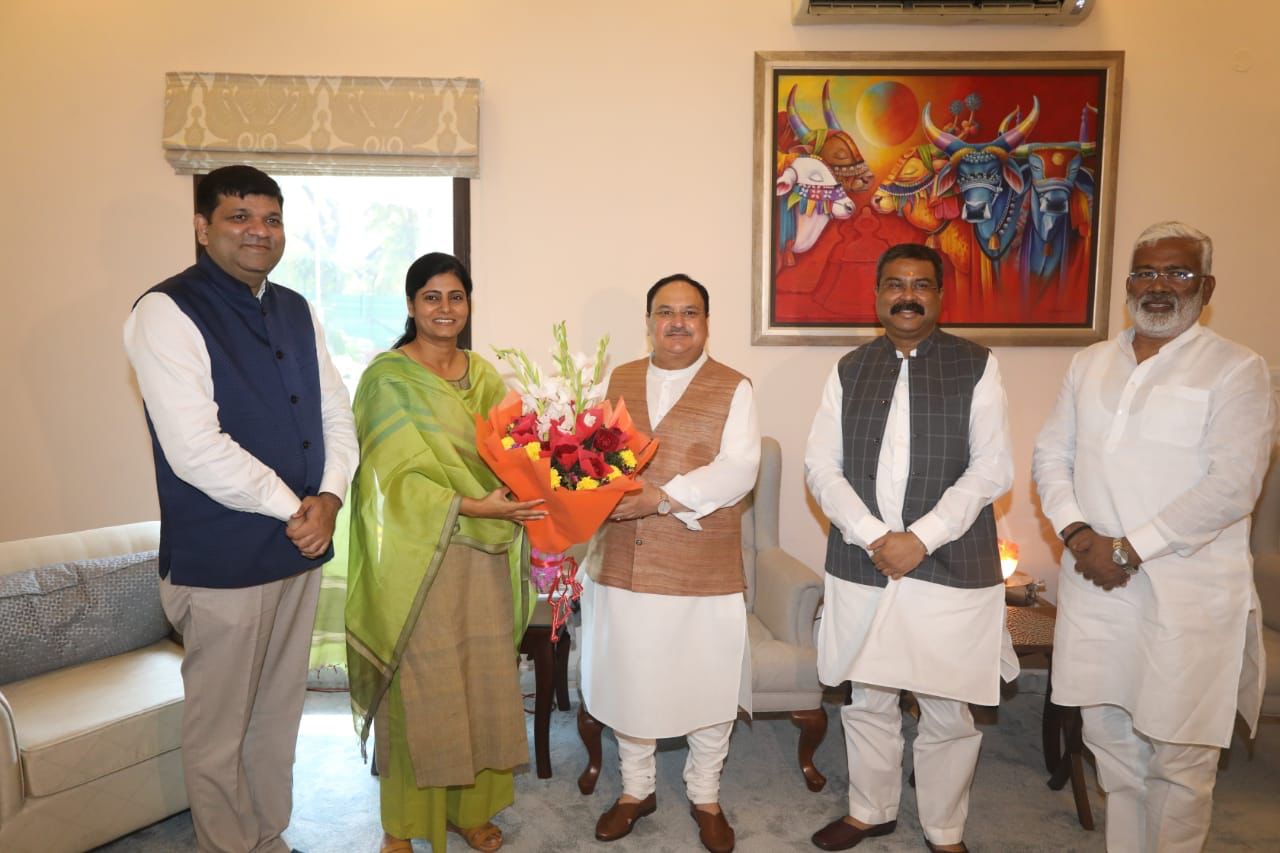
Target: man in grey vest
{"type": "Point", "coordinates": [908, 450]}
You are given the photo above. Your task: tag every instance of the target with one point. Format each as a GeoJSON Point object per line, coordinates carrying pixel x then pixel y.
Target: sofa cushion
{"type": "Point", "coordinates": [69, 613]}
{"type": "Point", "coordinates": [83, 722]}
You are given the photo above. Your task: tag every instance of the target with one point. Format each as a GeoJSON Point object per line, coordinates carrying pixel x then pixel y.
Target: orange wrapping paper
{"type": "Point", "coordinates": [572, 516]}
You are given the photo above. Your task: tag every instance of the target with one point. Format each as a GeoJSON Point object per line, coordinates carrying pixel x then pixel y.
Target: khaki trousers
{"type": "Point", "coordinates": [244, 676]}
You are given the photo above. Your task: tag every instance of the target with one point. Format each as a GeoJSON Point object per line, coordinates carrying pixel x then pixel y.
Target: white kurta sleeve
{"type": "Point", "coordinates": [173, 369]}
{"type": "Point", "coordinates": [1053, 461]}
{"type": "Point", "coordinates": [990, 471]}
{"type": "Point", "coordinates": [728, 478]}
{"type": "Point", "coordinates": [341, 448]}
{"type": "Point", "coordinates": [1237, 443]}
{"type": "Point", "coordinates": [824, 471]}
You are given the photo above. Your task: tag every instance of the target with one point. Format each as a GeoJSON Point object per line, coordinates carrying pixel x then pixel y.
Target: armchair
{"type": "Point", "coordinates": [1265, 544]}
{"type": "Point", "coordinates": [782, 599]}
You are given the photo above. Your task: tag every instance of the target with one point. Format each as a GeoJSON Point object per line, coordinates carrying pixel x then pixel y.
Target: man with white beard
{"type": "Point", "coordinates": [1149, 468]}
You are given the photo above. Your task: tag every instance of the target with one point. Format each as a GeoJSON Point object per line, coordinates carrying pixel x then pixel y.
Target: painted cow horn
{"type": "Point", "coordinates": [940, 138]}
{"type": "Point", "coordinates": [1084, 121]}
{"type": "Point", "coordinates": [1007, 121]}
{"type": "Point", "coordinates": [828, 112]}
{"type": "Point", "coordinates": [797, 124]}
{"type": "Point", "coordinates": [1013, 138]}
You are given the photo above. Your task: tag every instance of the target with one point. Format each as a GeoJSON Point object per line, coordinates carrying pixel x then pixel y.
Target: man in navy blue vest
{"type": "Point", "coordinates": [254, 446]}
{"type": "Point", "coordinates": [909, 448]}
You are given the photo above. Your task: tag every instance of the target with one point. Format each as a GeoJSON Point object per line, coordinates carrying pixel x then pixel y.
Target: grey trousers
{"type": "Point", "coordinates": [244, 676]}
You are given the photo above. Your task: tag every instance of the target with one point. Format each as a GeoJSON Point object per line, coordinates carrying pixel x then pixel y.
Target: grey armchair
{"type": "Point", "coordinates": [782, 601]}
{"type": "Point", "coordinates": [1265, 544]}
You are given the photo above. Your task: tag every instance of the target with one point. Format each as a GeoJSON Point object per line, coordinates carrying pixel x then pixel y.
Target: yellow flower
{"type": "Point", "coordinates": [613, 474]}
{"type": "Point", "coordinates": [628, 458]}
{"type": "Point", "coordinates": [588, 483]}
{"type": "Point", "coordinates": [555, 479]}
{"type": "Point", "coordinates": [508, 442]}
{"type": "Point", "coordinates": [533, 449]}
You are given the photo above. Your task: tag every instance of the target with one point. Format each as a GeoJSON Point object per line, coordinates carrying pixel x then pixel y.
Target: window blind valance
{"type": "Point", "coordinates": [322, 125]}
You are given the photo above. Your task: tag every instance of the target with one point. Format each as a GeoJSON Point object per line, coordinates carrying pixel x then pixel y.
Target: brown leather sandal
{"type": "Point", "coordinates": [391, 844]}
{"type": "Point", "coordinates": [485, 838]}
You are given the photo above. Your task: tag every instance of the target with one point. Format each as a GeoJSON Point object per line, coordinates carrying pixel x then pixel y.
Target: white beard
{"type": "Point", "coordinates": [1166, 325]}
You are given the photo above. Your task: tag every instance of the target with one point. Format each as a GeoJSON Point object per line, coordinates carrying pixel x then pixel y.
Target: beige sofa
{"type": "Point", "coordinates": [90, 751]}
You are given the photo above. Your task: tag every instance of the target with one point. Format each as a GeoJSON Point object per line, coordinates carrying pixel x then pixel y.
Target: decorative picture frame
{"type": "Point", "coordinates": [1003, 162]}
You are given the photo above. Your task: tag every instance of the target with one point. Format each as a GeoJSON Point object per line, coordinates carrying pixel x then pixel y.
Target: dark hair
{"type": "Point", "coordinates": [238, 181]}
{"type": "Point", "coordinates": [419, 273]}
{"type": "Point", "coordinates": [662, 282]}
{"type": "Point", "coordinates": [911, 252]}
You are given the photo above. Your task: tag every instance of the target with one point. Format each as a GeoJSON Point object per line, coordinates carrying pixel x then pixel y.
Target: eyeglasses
{"type": "Point", "coordinates": [684, 314]}
{"type": "Point", "coordinates": [922, 286]}
{"type": "Point", "coordinates": [1171, 276]}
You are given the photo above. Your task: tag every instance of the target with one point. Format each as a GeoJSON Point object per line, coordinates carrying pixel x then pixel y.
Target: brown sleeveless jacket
{"type": "Point", "coordinates": [658, 554]}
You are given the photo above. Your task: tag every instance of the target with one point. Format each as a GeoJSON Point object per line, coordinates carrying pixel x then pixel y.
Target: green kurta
{"type": "Point", "coordinates": [436, 601]}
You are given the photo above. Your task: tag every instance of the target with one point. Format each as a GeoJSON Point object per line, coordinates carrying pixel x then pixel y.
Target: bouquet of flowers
{"type": "Point", "coordinates": [558, 439]}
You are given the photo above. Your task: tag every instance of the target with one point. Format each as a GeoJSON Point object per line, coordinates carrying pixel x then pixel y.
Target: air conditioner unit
{"type": "Point", "coordinates": [1055, 12]}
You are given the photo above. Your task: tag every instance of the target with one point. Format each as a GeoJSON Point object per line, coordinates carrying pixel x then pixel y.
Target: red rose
{"type": "Point", "coordinates": [593, 463]}
{"type": "Point", "coordinates": [608, 440]}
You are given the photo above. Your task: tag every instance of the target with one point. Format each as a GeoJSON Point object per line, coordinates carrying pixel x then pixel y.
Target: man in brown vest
{"type": "Point", "coordinates": [664, 623]}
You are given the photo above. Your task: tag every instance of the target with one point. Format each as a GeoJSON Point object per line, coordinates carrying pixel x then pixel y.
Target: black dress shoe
{"type": "Point", "coordinates": [935, 849]}
{"type": "Point", "coordinates": [841, 835]}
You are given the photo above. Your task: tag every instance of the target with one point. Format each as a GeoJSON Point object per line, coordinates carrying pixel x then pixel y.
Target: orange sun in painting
{"type": "Point", "coordinates": [888, 113]}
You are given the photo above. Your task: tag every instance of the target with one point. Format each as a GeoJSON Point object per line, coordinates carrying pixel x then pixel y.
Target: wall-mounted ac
{"type": "Point", "coordinates": [1053, 12]}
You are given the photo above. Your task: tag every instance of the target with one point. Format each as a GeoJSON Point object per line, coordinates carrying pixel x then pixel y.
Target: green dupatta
{"type": "Point", "coordinates": [417, 460]}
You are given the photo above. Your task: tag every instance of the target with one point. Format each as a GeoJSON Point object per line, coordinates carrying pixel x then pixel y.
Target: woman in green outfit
{"type": "Point", "coordinates": [438, 593]}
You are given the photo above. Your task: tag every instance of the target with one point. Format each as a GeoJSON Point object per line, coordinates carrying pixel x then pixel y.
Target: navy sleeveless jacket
{"type": "Point", "coordinates": [266, 382]}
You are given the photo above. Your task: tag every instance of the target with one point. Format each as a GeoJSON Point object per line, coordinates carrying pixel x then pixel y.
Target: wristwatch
{"type": "Point", "coordinates": [1120, 556]}
{"type": "Point", "coordinates": [664, 504]}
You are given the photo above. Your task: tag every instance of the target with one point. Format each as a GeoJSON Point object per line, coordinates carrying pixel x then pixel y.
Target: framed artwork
{"type": "Point", "coordinates": [1003, 162]}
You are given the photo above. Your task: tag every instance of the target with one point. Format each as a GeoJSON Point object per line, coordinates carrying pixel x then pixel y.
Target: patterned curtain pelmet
{"type": "Point", "coordinates": [322, 125]}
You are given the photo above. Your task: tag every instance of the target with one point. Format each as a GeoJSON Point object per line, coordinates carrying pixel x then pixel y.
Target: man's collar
{"type": "Point", "coordinates": [226, 280]}
{"type": "Point", "coordinates": [672, 372]}
{"type": "Point", "coordinates": [1188, 335]}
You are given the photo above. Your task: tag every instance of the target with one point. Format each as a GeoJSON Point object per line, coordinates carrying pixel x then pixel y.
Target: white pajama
{"type": "Point", "coordinates": [708, 749]}
{"type": "Point", "coordinates": [945, 755]}
{"type": "Point", "coordinates": [1159, 794]}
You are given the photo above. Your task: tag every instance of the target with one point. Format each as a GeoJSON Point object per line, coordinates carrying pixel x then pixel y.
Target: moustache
{"type": "Point", "coordinates": [907, 306]}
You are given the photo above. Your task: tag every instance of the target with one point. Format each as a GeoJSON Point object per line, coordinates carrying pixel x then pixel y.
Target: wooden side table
{"type": "Point", "coordinates": [550, 676]}
{"type": "Point", "coordinates": [1031, 628]}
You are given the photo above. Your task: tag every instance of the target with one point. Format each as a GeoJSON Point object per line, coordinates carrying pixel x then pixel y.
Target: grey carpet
{"type": "Point", "coordinates": [1011, 809]}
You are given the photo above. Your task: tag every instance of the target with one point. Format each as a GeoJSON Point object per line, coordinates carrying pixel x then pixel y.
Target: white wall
{"type": "Point", "coordinates": [616, 145]}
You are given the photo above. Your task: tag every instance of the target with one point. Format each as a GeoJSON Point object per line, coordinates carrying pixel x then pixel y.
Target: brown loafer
{"type": "Point", "coordinates": [713, 830]}
{"type": "Point", "coordinates": [621, 817]}
{"type": "Point", "coordinates": [933, 848]}
{"type": "Point", "coordinates": [841, 835]}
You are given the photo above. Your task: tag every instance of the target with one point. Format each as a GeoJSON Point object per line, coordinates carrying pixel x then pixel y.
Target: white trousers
{"type": "Point", "coordinates": [945, 755]}
{"type": "Point", "coordinates": [708, 749]}
{"type": "Point", "coordinates": [1159, 794]}
{"type": "Point", "coordinates": [244, 674]}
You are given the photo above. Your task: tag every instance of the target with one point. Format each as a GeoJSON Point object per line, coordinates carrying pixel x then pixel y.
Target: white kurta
{"type": "Point", "coordinates": [1170, 453]}
{"type": "Point", "coordinates": [663, 665]}
{"type": "Point", "coordinates": [912, 634]}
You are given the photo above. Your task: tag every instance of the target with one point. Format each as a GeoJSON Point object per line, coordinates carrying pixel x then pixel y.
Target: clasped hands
{"type": "Point", "coordinates": [310, 529]}
{"type": "Point", "coordinates": [1093, 556]}
{"type": "Point", "coordinates": [897, 554]}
